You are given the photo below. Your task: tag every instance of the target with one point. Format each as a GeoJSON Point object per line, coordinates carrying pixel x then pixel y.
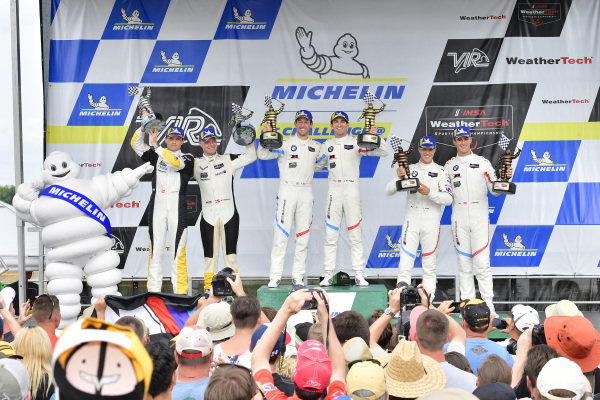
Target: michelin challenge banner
{"type": "Point", "coordinates": [521, 74]}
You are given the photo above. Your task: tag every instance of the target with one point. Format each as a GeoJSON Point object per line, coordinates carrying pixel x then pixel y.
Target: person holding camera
{"type": "Point", "coordinates": [477, 323]}
{"type": "Point", "coordinates": [317, 368]}
{"type": "Point", "coordinates": [423, 213]}
{"type": "Point", "coordinates": [220, 220]}
{"type": "Point", "coordinates": [245, 312]}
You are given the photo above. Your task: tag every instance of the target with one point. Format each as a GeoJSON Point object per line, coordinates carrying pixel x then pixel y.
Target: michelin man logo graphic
{"type": "Point", "coordinates": [244, 19]}
{"type": "Point", "coordinates": [475, 58]}
{"type": "Point", "coordinates": [517, 244]}
{"type": "Point", "coordinates": [544, 160]}
{"type": "Point", "coordinates": [74, 227]}
{"type": "Point", "coordinates": [174, 60]}
{"type": "Point", "coordinates": [133, 19]}
{"type": "Point", "coordinates": [100, 105]}
{"type": "Point", "coordinates": [394, 246]}
{"type": "Point", "coordinates": [343, 61]}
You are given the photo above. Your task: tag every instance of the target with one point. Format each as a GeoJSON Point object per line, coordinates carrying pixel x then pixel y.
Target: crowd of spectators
{"type": "Point", "coordinates": [240, 350]}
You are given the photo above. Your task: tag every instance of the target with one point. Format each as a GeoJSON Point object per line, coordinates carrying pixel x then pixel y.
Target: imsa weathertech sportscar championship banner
{"type": "Point", "coordinates": [520, 74]}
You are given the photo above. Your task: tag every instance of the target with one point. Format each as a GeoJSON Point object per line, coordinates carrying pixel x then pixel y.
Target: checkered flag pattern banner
{"type": "Point", "coordinates": [369, 97]}
{"type": "Point", "coordinates": [504, 141]}
{"type": "Point", "coordinates": [132, 90]}
{"type": "Point", "coordinates": [236, 108]}
{"type": "Point", "coordinates": [395, 143]}
{"type": "Point", "coordinates": [268, 101]}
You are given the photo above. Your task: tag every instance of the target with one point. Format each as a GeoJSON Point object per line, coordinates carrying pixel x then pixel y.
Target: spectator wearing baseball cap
{"type": "Point", "coordinates": [283, 384]}
{"type": "Point", "coordinates": [317, 368]}
{"type": "Point", "coordinates": [14, 380]}
{"type": "Point", "coordinates": [193, 353]}
{"type": "Point", "coordinates": [8, 351]}
{"type": "Point", "coordinates": [366, 380]}
{"type": "Point", "coordinates": [217, 319]}
{"type": "Point", "coordinates": [560, 379]}
{"type": "Point", "coordinates": [477, 321]}
{"type": "Point", "coordinates": [495, 391]}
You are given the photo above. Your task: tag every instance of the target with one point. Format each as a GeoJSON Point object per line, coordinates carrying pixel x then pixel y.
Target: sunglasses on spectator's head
{"type": "Point", "coordinates": [360, 361]}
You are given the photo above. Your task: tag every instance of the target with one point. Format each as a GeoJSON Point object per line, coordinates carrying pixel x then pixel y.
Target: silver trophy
{"type": "Point", "coordinates": [151, 120]}
{"type": "Point", "coordinates": [243, 133]}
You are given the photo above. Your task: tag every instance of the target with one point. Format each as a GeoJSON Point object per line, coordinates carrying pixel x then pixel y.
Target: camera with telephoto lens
{"type": "Point", "coordinates": [220, 286]}
{"type": "Point", "coordinates": [312, 303]}
{"type": "Point", "coordinates": [410, 296]}
{"type": "Point", "coordinates": [511, 347]}
{"type": "Point", "coordinates": [538, 335]}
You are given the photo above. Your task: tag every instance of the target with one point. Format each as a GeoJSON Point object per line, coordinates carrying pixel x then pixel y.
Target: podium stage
{"type": "Point", "coordinates": [341, 298]}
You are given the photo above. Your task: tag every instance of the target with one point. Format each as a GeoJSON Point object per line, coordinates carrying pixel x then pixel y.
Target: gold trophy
{"type": "Point", "coordinates": [401, 157]}
{"type": "Point", "coordinates": [504, 163]}
{"type": "Point", "coordinates": [271, 139]}
{"type": "Point", "coordinates": [366, 139]}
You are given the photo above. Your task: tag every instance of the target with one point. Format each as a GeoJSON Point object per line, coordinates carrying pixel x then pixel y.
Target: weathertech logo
{"type": "Point", "coordinates": [539, 14]}
{"type": "Point", "coordinates": [548, 61]}
{"type": "Point", "coordinates": [482, 17]}
{"type": "Point", "coordinates": [566, 101]}
{"type": "Point", "coordinates": [475, 58]}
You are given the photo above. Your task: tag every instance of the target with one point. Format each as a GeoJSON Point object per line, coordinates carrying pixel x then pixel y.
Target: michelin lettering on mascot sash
{"type": "Point", "coordinates": [80, 201]}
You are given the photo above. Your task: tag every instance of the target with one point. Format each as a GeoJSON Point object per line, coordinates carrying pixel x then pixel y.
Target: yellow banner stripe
{"type": "Point", "coordinates": [342, 80]}
{"type": "Point", "coordinates": [86, 134]}
{"type": "Point", "coordinates": [560, 131]}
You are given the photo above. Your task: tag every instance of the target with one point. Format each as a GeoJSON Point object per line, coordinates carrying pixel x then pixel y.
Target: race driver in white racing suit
{"type": "Point", "coordinates": [423, 214]}
{"type": "Point", "coordinates": [220, 220]}
{"type": "Point", "coordinates": [297, 161]}
{"type": "Point", "coordinates": [167, 208]}
{"type": "Point", "coordinates": [342, 157]}
{"type": "Point", "coordinates": [472, 177]}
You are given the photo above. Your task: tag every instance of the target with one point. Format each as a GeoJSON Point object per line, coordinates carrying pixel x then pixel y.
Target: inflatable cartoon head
{"type": "Point", "coordinates": [176, 56]}
{"type": "Point", "coordinates": [346, 47]}
{"type": "Point", "coordinates": [58, 167]}
{"type": "Point", "coordinates": [94, 359]}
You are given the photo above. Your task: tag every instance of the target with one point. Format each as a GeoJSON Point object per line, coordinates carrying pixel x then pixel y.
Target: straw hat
{"type": "Point", "coordinates": [410, 374]}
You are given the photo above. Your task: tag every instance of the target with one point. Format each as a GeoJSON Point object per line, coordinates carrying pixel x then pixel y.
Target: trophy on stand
{"type": "Point", "coordinates": [504, 163]}
{"type": "Point", "coordinates": [272, 139]}
{"type": "Point", "coordinates": [151, 120]}
{"type": "Point", "coordinates": [401, 157]}
{"type": "Point", "coordinates": [366, 139]}
{"type": "Point", "coordinates": [243, 133]}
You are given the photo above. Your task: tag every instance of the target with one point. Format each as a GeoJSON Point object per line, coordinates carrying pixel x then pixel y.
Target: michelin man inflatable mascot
{"type": "Point", "coordinates": [75, 228]}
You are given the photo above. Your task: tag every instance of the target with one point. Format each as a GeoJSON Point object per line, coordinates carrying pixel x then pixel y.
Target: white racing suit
{"type": "Point", "coordinates": [297, 161]}
{"type": "Point", "coordinates": [166, 211]}
{"type": "Point", "coordinates": [471, 177]}
{"type": "Point", "coordinates": [220, 220]}
{"type": "Point", "coordinates": [342, 157]}
{"type": "Point", "coordinates": [422, 222]}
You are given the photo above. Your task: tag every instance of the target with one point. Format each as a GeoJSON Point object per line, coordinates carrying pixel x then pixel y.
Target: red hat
{"type": "Point", "coordinates": [574, 338]}
{"type": "Point", "coordinates": [313, 367]}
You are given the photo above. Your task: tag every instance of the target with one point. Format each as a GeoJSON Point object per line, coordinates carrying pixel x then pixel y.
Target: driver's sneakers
{"type": "Point", "coordinates": [328, 279]}
{"type": "Point", "coordinates": [359, 279]}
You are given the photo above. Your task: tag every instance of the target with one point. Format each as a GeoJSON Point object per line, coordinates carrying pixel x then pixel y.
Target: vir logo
{"type": "Point", "coordinates": [343, 61]}
{"type": "Point", "coordinates": [100, 105]}
{"type": "Point", "coordinates": [244, 19]}
{"type": "Point", "coordinates": [133, 19]}
{"type": "Point", "coordinates": [117, 245]}
{"type": "Point", "coordinates": [475, 58]}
